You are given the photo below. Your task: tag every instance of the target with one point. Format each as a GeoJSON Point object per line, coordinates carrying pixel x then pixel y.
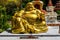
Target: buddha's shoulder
{"type": "Point", "coordinates": [18, 13]}
{"type": "Point", "coordinates": [21, 11]}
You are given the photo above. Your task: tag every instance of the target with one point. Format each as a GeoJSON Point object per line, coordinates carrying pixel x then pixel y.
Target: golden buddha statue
{"type": "Point", "coordinates": [29, 20]}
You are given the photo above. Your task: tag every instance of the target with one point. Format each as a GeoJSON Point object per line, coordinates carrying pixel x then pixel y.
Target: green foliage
{"type": "Point", "coordinates": [58, 11]}
{"type": "Point", "coordinates": [4, 25]}
{"type": "Point", "coordinates": [24, 2]}
{"type": "Point", "coordinates": [44, 4]}
{"type": "Point", "coordinates": [11, 8]}
{"type": "Point", "coordinates": [1, 30]}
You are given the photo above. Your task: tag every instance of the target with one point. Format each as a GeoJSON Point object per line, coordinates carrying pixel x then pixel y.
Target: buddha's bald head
{"type": "Point", "coordinates": [29, 6]}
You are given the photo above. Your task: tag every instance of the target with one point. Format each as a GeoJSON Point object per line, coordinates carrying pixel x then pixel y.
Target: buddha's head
{"type": "Point", "coordinates": [29, 6]}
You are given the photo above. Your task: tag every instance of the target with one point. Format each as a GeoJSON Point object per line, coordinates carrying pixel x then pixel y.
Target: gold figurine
{"type": "Point", "coordinates": [29, 20]}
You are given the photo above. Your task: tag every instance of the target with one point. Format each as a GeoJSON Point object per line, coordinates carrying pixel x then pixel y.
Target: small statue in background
{"type": "Point", "coordinates": [29, 20]}
{"type": "Point", "coordinates": [51, 15]}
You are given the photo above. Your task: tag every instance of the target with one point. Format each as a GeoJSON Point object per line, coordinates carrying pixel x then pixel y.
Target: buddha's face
{"type": "Point", "coordinates": [30, 6]}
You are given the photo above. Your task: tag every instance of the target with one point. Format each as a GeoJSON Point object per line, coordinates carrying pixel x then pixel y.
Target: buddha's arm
{"type": "Point", "coordinates": [41, 16]}
{"type": "Point", "coordinates": [38, 13]}
{"type": "Point", "coordinates": [16, 17]}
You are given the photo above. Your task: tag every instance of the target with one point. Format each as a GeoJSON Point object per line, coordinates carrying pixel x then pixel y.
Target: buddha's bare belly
{"type": "Point", "coordinates": [31, 18]}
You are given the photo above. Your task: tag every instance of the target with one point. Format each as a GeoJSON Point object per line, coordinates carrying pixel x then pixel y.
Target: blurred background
{"type": "Point", "coordinates": [9, 7]}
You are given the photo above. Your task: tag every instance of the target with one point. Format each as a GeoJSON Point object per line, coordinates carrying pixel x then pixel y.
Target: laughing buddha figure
{"type": "Point", "coordinates": [29, 20]}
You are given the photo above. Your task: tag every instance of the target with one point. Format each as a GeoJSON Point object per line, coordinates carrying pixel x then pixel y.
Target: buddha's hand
{"type": "Point", "coordinates": [18, 19]}
{"type": "Point", "coordinates": [38, 16]}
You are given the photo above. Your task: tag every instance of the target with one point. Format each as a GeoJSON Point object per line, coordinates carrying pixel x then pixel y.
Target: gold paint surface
{"type": "Point", "coordinates": [29, 20]}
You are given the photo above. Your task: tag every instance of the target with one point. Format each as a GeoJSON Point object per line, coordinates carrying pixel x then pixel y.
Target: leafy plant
{"type": "Point", "coordinates": [11, 8]}
{"type": "Point", "coordinates": [4, 25]}
{"type": "Point", "coordinates": [24, 2]}
{"type": "Point", "coordinates": [58, 11]}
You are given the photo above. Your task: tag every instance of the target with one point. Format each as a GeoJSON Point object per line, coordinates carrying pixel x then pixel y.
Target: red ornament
{"type": "Point", "coordinates": [50, 3]}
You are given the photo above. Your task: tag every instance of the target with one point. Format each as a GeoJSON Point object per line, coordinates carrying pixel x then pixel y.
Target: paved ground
{"type": "Point", "coordinates": [51, 31]}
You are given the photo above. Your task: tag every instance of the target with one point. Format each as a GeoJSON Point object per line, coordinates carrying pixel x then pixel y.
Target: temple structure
{"type": "Point", "coordinates": [51, 16]}
{"type": "Point", "coordinates": [57, 5]}
{"type": "Point", "coordinates": [50, 6]}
